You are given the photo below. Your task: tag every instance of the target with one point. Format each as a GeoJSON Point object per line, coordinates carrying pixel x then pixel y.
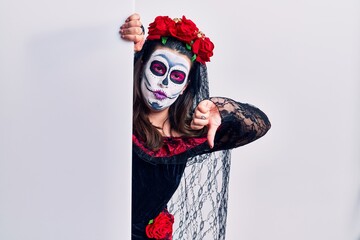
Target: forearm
{"type": "Point", "coordinates": [241, 123]}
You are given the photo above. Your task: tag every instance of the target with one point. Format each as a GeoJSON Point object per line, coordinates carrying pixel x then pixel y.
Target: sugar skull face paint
{"type": "Point", "coordinates": [165, 77]}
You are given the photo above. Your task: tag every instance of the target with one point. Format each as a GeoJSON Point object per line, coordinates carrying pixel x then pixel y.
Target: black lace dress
{"type": "Point", "coordinates": [157, 175]}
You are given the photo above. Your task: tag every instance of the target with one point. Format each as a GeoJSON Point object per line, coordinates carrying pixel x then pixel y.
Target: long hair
{"type": "Point", "coordinates": [180, 112]}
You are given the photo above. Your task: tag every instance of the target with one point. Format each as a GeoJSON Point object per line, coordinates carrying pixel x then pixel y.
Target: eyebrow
{"type": "Point", "coordinates": [168, 60]}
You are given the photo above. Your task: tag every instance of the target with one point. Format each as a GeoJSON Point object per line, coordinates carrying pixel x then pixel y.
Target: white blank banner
{"type": "Point", "coordinates": [65, 120]}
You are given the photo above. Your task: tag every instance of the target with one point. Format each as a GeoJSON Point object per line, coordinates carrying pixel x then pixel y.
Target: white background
{"type": "Point", "coordinates": [64, 157]}
{"type": "Point", "coordinates": [65, 120]}
{"type": "Point", "coordinates": [298, 61]}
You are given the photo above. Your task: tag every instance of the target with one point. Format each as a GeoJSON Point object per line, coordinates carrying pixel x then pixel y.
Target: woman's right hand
{"type": "Point", "coordinates": [207, 114]}
{"type": "Point", "coordinates": [132, 30]}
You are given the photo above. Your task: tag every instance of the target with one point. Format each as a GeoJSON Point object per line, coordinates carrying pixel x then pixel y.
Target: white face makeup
{"type": "Point", "coordinates": [165, 77]}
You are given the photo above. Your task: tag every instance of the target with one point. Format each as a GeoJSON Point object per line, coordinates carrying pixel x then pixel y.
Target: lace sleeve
{"type": "Point", "coordinates": [241, 123]}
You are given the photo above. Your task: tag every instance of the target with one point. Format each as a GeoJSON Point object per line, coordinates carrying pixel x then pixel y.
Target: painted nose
{"type": "Point", "coordinates": [165, 82]}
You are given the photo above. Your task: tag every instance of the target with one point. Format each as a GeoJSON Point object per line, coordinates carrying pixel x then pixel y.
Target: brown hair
{"type": "Point", "coordinates": [180, 112]}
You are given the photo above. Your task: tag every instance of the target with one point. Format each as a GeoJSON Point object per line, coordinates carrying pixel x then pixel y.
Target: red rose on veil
{"type": "Point", "coordinates": [203, 48]}
{"type": "Point", "coordinates": [161, 227]}
{"type": "Point", "coordinates": [160, 27]}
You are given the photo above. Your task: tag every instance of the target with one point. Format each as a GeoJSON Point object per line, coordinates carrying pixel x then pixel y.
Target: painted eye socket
{"type": "Point", "coordinates": [177, 76]}
{"type": "Point", "coordinates": [158, 68]}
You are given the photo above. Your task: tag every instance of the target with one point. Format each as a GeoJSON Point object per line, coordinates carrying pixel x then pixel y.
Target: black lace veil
{"type": "Point", "coordinates": [199, 205]}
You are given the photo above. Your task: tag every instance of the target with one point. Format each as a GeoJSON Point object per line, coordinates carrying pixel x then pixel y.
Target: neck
{"type": "Point", "coordinates": [160, 121]}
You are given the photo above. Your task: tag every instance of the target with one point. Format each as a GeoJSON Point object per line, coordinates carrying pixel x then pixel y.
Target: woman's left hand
{"type": "Point", "coordinates": [207, 114]}
{"type": "Point", "coordinates": [132, 30]}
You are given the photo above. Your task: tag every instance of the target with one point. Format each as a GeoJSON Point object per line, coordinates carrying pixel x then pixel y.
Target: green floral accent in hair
{"type": "Point", "coordinates": [193, 58]}
{"type": "Point", "coordinates": [164, 40]}
{"type": "Point", "coordinates": [188, 46]}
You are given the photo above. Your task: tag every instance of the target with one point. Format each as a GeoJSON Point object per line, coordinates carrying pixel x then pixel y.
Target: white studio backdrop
{"type": "Point", "coordinates": [65, 85]}
{"type": "Point", "coordinates": [298, 61]}
{"type": "Point", "coordinates": [65, 120]}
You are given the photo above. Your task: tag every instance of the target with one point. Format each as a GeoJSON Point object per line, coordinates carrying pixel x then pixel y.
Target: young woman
{"type": "Point", "coordinates": [176, 126]}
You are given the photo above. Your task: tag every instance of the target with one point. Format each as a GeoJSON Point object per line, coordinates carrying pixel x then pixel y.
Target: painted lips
{"type": "Point", "coordinates": [159, 95]}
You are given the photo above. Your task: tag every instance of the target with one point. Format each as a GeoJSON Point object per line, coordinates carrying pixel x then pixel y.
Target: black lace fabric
{"type": "Point", "coordinates": [241, 123]}
{"type": "Point", "coordinates": [199, 205]}
{"type": "Point", "coordinates": [200, 202]}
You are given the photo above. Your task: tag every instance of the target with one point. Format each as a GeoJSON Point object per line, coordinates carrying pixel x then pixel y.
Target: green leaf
{"type": "Point", "coordinates": [164, 40]}
{"type": "Point", "coordinates": [188, 46]}
{"type": "Point", "coordinates": [193, 57]}
{"type": "Point", "coordinates": [151, 221]}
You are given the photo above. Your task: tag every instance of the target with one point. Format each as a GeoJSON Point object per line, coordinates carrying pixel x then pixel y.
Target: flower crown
{"type": "Point", "coordinates": [183, 30]}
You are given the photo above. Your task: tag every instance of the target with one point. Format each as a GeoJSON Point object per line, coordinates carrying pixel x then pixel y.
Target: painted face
{"type": "Point", "coordinates": [165, 77]}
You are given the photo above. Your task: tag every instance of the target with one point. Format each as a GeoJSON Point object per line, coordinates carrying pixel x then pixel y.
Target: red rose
{"type": "Point", "coordinates": [161, 227]}
{"type": "Point", "coordinates": [184, 30]}
{"type": "Point", "coordinates": [203, 48]}
{"type": "Point", "coordinates": [160, 27]}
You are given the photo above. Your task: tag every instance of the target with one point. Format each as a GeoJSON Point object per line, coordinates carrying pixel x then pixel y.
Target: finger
{"type": "Point", "coordinates": [211, 134]}
{"type": "Point", "coordinates": [203, 106]}
{"type": "Point", "coordinates": [200, 122]}
{"type": "Point", "coordinates": [134, 16]}
{"type": "Point", "coordinates": [195, 126]}
{"type": "Point", "coordinates": [133, 38]}
{"type": "Point", "coordinates": [131, 31]}
{"type": "Point", "coordinates": [133, 23]}
{"type": "Point", "coordinates": [200, 115]}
